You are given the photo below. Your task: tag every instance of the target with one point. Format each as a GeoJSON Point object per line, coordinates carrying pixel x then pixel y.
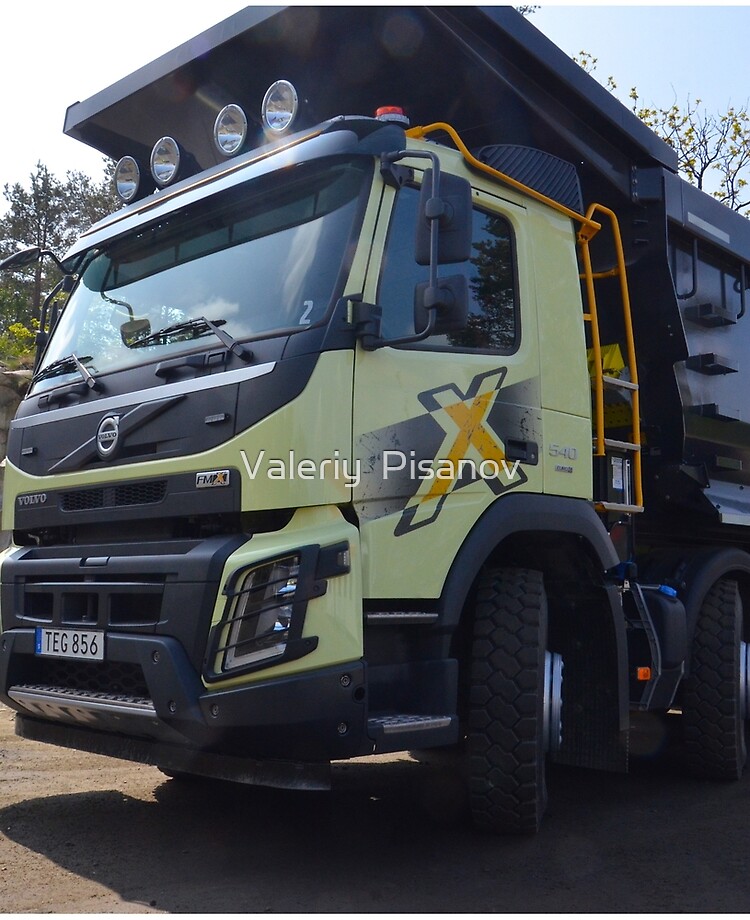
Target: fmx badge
{"type": "Point", "coordinates": [212, 479]}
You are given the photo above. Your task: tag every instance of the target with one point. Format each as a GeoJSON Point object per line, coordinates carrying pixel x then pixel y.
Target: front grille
{"type": "Point", "coordinates": [110, 677]}
{"type": "Point", "coordinates": [113, 602]}
{"type": "Point", "coordinates": [120, 496]}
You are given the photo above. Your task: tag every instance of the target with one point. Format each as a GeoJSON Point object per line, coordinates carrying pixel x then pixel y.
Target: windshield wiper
{"type": "Point", "coordinates": [66, 366]}
{"type": "Point", "coordinates": [198, 327]}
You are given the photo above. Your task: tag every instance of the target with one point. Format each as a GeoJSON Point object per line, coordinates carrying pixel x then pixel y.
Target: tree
{"type": "Point", "coordinates": [88, 201]}
{"type": "Point", "coordinates": [713, 149]}
{"type": "Point", "coordinates": [492, 285]}
{"type": "Point", "coordinates": [708, 145]}
{"type": "Point", "coordinates": [36, 217]}
{"type": "Point", "coordinates": [49, 213]}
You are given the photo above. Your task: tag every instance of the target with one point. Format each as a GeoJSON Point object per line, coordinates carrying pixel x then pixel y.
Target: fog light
{"type": "Point", "coordinates": [127, 179]}
{"type": "Point", "coordinates": [280, 105]}
{"type": "Point", "coordinates": [165, 161]}
{"type": "Point", "coordinates": [230, 130]}
{"type": "Point", "coordinates": [260, 619]}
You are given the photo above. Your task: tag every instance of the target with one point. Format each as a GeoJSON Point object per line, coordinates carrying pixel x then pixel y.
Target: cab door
{"type": "Point", "coordinates": [444, 427]}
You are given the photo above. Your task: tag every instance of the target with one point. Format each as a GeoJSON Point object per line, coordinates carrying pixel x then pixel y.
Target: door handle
{"type": "Point", "coordinates": [525, 451]}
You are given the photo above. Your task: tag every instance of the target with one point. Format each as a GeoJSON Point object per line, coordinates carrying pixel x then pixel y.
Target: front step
{"type": "Point", "coordinates": [78, 705]}
{"type": "Point", "coordinates": [402, 731]}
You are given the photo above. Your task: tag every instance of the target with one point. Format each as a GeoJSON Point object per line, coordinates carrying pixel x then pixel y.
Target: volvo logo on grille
{"type": "Point", "coordinates": [37, 498]}
{"type": "Point", "coordinates": [107, 436]}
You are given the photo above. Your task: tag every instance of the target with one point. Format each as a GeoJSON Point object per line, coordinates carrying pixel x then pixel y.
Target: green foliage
{"type": "Point", "coordinates": [17, 345]}
{"type": "Point", "coordinates": [713, 148]}
{"type": "Point", "coordinates": [49, 213]}
{"type": "Point", "coordinates": [588, 63]}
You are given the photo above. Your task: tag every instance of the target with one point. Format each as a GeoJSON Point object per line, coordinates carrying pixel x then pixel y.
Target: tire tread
{"type": "Point", "coordinates": [713, 726]}
{"type": "Point", "coordinates": [507, 790]}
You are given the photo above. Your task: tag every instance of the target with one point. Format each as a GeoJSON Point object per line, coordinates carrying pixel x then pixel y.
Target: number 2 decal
{"type": "Point", "coordinates": [308, 305]}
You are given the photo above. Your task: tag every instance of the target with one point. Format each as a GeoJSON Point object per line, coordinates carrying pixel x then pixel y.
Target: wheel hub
{"type": "Point", "coordinates": [553, 680]}
{"type": "Point", "coordinates": [745, 680]}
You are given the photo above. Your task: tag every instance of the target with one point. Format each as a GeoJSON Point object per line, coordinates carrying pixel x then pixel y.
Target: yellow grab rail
{"type": "Point", "coordinates": [620, 272]}
{"type": "Point", "coordinates": [589, 227]}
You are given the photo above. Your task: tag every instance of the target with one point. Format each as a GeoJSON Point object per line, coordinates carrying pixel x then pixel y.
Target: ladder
{"type": "Point", "coordinates": [602, 444]}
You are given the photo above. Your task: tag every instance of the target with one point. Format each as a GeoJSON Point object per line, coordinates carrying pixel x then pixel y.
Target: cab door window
{"type": "Point", "coordinates": [493, 309]}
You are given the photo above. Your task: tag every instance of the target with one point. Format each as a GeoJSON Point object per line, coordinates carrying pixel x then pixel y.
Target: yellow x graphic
{"type": "Point", "coordinates": [471, 432]}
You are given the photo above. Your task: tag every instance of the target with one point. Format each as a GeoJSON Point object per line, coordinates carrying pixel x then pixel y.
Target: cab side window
{"type": "Point", "coordinates": [493, 307]}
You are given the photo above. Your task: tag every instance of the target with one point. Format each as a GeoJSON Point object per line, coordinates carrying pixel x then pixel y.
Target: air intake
{"type": "Point", "coordinates": [120, 496]}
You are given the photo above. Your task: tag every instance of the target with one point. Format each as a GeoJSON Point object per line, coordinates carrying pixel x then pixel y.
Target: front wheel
{"type": "Point", "coordinates": [515, 702]}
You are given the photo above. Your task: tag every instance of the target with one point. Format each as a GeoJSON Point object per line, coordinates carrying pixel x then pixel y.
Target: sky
{"type": "Point", "coordinates": [668, 52]}
{"type": "Point", "coordinates": [55, 53]}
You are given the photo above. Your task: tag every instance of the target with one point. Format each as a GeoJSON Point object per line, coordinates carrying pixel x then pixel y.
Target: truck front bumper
{"type": "Point", "coordinates": [148, 696]}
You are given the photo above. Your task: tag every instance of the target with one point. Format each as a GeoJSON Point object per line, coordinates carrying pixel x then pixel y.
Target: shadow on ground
{"type": "Point", "coordinates": [393, 837]}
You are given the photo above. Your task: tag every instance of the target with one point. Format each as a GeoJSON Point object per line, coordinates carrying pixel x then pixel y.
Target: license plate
{"type": "Point", "coordinates": [85, 644]}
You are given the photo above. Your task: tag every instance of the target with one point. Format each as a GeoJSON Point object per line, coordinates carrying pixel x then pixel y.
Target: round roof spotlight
{"type": "Point", "coordinates": [165, 161]}
{"type": "Point", "coordinates": [280, 106]}
{"type": "Point", "coordinates": [127, 179]}
{"type": "Point", "coordinates": [230, 130]}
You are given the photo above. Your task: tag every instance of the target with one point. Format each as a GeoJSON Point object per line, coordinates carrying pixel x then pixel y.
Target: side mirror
{"type": "Point", "coordinates": [21, 259]}
{"type": "Point", "coordinates": [452, 210]}
{"type": "Point", "coordinates": [30, 256]}
{"type": "Point", "coordinates": [449, 302]}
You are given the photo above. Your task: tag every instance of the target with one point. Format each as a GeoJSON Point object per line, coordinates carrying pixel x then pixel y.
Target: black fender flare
{"type": "Point", "coordinates": [515, 514]}
{"type": "Point", "coordinates": [522, 513]}
{"type": "Point", "coordinates": [702, 571]}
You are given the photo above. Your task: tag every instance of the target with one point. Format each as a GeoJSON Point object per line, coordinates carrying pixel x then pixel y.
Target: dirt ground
{"type": "Point", "coordinates": [85, 834]}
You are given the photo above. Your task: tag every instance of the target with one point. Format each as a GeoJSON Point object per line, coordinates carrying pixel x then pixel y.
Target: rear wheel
{"type": "Point", "coordinates": [715, 698]}
{"type": "Point", "coordinates": [515, 699]}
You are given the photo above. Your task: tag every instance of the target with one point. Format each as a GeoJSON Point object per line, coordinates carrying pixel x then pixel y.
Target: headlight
{"type": "Point", "coordinates": [280, 106]}
{"type": "Point", "coordinates": [165, 161]}
{"type": "Point", "coordinates": [127, 179]}
{"type": "Point", "coordinates": [258, 623]}
{"type": "Point", "coordinates": [230, 130]}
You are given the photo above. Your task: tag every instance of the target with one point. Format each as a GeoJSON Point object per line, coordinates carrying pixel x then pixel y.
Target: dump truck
{"type": "Point", "coordinates": [399, 407]}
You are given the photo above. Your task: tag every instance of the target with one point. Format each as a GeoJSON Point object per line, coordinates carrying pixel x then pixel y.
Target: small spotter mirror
{"type": "Point", "coordinates": [449, 301]}
{"type": "Point", "coordinates": [133, 330]}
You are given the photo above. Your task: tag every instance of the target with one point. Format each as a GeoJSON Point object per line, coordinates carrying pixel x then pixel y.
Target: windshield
{"type": "Point", "coordinates": [262, 258]}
